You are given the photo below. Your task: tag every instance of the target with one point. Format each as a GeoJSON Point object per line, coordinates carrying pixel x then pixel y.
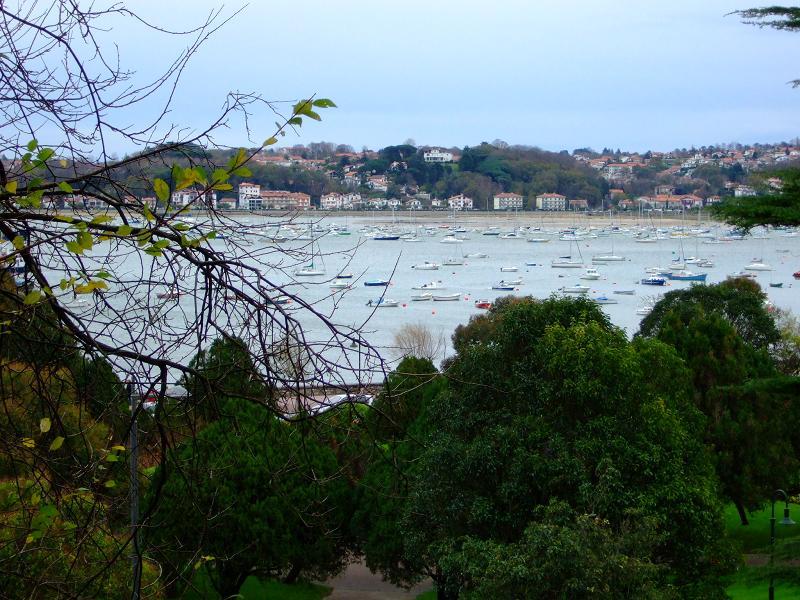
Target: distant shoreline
{"type": "Point", "coordinates": [471, 219]}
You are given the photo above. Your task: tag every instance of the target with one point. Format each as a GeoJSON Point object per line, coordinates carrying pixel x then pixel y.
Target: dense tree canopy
{"type": "Point", "coordinates": [723, 333]}
{"type": "Point", "coordinates": [549, 408]}
{"type": "Point", "coordinates": [252, 494]}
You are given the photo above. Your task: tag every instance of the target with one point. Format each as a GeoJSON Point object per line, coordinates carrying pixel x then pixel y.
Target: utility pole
{"type": "Point", "coordinates": [136, 555]}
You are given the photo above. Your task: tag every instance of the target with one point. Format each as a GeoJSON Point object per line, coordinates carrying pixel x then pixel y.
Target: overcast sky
{"type": "Point", "coordinates": [558, 74]}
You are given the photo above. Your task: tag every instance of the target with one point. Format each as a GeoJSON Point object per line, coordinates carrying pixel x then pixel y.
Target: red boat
{"type": "Point", "coordinates": [796, 274]}
{"type": "Point", "coordinates": [485, 304]}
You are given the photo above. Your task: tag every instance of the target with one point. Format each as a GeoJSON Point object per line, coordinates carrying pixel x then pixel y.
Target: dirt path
{"type": "Point", "coordinates": [357, 583]}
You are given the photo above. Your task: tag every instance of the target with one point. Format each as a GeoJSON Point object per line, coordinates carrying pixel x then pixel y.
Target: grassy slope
{"type": "Point", "coordinates": [753, 582]}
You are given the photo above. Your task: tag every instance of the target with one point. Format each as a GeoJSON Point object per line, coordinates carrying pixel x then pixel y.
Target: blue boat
{"type": "Point", "coordinates": [376, 283]}
{"type": "Point", "coordinates": [654, 281]}
{"type": "Point", "coordinates": [503, 287]}
{"type": "Point", "coordinates": [687, 276]}
{"type": "Point", "coordinates": [386, 238]}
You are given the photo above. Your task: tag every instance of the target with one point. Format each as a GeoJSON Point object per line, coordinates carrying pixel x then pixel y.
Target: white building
{"type": "Point", "coordinates": [551, 202]}
{"type": "Point", "coordinates": [336, 201]}
{"type": "Point", "coordinates": [743, 191]}
{"type": "Point", "coordinates": [507, 201]}
{"type": "Point", "coordinates": [460, 202]}
{"type": "Point", "coordinates": [437, 156]}
{"type": "Point", "coordinates": [248, 191]}
{"type": "Point", "coordinates": [197, 198]}
{"type": "Point", "coordinates": [331, 202]}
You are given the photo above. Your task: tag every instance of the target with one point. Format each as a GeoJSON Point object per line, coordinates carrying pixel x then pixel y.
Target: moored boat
{"type": "Point", "coordinates": [654, 280]}
{"type": "Point", "coordinates": [575, 289]}
{"type": "Point", "coordinates": [383, 303]}
{"type": "Point", "coordinates": [591, 274]}
{"type": "Point", "coordinates": [684, 275]}
{"type": "Point", "coordinates": [446, 297]}
{"type": "Point", "coordinates": [426, 266]}
{"type": "Point", "coordinates": [421, 297]}
{"type": "Point", "coordinates": [433, 285]}
{"type": "Point", "coordinates": [376, 282]}
{"type": "Point", "coordinates": [484, 304]}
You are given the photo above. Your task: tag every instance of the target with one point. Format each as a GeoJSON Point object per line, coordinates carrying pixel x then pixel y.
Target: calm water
{"type": "Point", "coordinates": [372, 259]}
{"type": "Point", "coordinates": [393, 260]}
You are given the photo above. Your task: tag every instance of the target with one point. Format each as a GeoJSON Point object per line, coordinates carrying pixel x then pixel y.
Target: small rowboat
{"type": "Point", "coordinates": [426, 266]}
{"type": "Point", "coordinates": [421, 297]}
{"type": "Point", "coordinates": [776, 284]}
{"type": "Point", "coordinates": [509, 269]}
{"type": "Point", "coordinates": [383, 303]}
{"type": "Point", "coordinates": [446, 297]}
{"type": "Point", "coordinates": [376, 283]}
{"type": "Point", "coordinates": [503, 288]}
{"type": "Point", "coordinates": [484, 304]}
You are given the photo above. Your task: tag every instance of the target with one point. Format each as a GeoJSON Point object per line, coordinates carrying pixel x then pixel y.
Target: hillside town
{"type": "Point", "coordinates": [681, 179]}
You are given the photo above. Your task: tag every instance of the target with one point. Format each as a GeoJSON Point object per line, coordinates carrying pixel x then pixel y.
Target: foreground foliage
{"type": "Point", "coordinates": [554, 434]}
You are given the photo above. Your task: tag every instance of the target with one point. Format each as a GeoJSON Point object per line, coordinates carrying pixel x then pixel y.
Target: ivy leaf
{"type": "Point", "coordinates": [57, 442]}
{"type": "Point", "coordinates": [44, 425]}
{"type": "Point", "coordinates": [161, 188]}
{"type": "Point", "coordinates": [65, 187]}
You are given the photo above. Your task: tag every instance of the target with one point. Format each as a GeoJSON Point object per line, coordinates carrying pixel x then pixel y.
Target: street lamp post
{"type": "Point", "coordinates": [785, 521]}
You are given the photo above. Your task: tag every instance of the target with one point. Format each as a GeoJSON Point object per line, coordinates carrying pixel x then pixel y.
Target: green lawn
{"type": "Point", "coordinates": [753, 582]}
{"type": "Point", "coordinates": [257, 589]}
{"type": "Point", "coordinates": [755, 537]}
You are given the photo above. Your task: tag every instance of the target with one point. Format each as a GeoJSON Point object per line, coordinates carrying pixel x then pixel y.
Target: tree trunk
{"type": "Point", "coordinates": [293, 574]}
{"type": "Point", "coordinates": [444, 594]}
{"type": "Point", "coordinates": [742, 512]}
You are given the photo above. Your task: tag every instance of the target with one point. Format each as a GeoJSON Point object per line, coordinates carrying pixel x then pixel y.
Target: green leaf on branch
{"type": "Point", "coordinates": [57, 442]}
{"type": "Point", "coordinates": [85, 240]}
{"type": "Point", "coordinates": [110, 484]}
{"type": "Point", "coordinates": [32, 297]}
{"type": "Point", "coordinates": [74, 247]}
{"type": "Point", "coordinates": [295, 121]}
{"type": "Point", "coordinates": [45, 154]}
{"type": "Point", "coordinates": [32, 145]}
{"type": "Point", "coordinates": [11, 187]}
{"type": "Point", "coordinates": [162, 189]}
{"type": "Point", "coordinates": [18, 242]}
{"type": "Point", "coordinates": [324, 103]}
{"type": "Point", "coordinates": [44, 425]}
{"type": "Point", "coordinates": [270, 141]}
{"type": "Point", "coordinates": [148, 214]}
{"type": "Point", "coordinates": [65, 187]}
{"type": "Point", "coordinates": [124, 230]}
{"type": "Point", "coordinates": [100, 219]}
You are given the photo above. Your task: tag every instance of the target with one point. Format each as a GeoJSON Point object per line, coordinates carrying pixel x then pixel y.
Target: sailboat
{"type": "Point", "coordinates": [606, 258]}
{"type": "Point", "coordinates": [567, 262]}
{"type": "Point", "coordinates": [310, 270]}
